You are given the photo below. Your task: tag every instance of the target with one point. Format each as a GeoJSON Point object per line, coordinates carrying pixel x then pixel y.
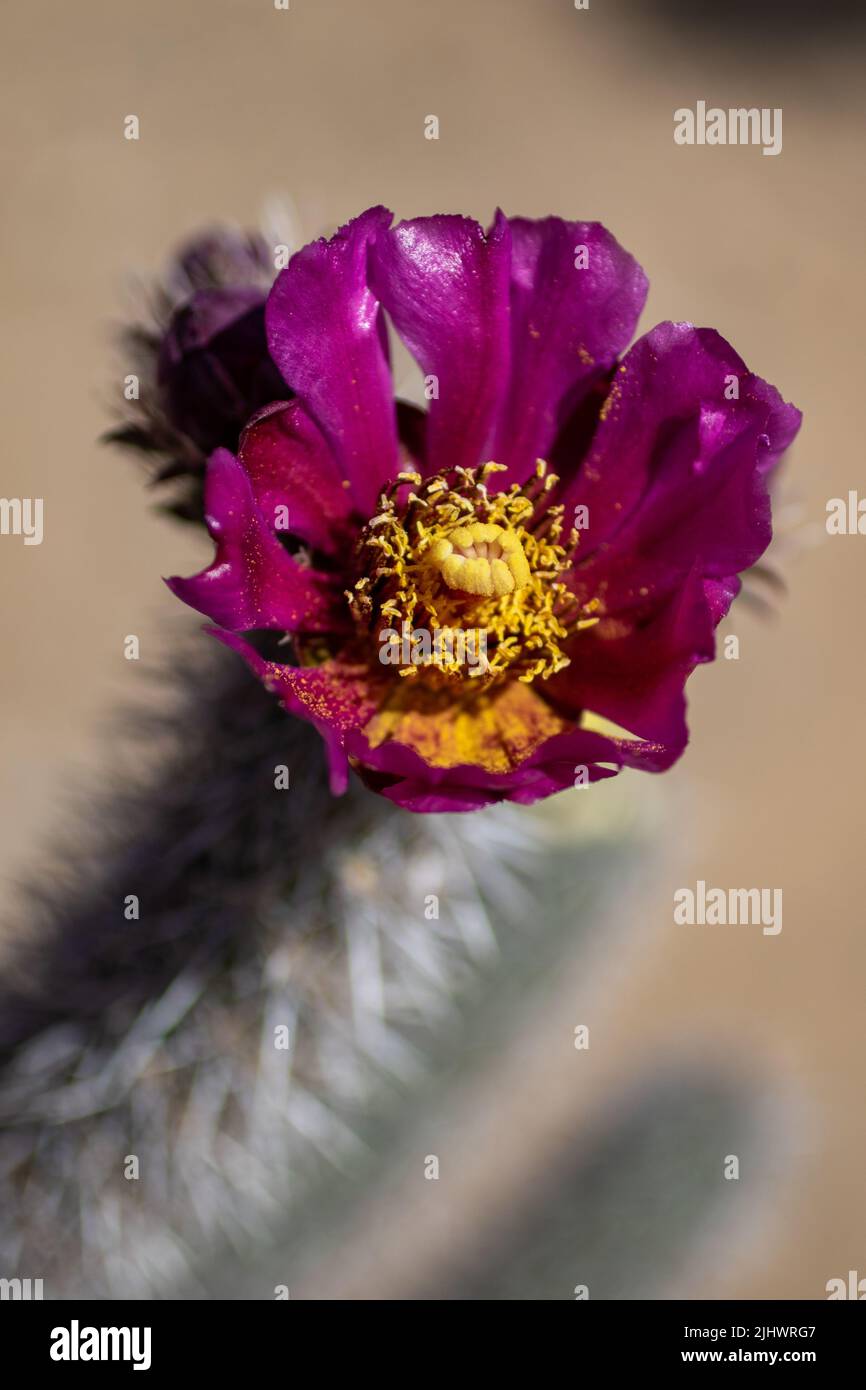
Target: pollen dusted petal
{"type": "Point", "coordinates": [497, 731]}
{"type": "Point", "coordinates": [337, 697]}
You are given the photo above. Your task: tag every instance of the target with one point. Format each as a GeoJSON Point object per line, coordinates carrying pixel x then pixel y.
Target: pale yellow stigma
{"type": "Point", "coordinates": [482, 559]}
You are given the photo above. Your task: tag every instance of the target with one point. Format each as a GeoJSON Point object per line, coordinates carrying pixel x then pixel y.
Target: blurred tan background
{"type": "Point", "coordinates": [542, 109]}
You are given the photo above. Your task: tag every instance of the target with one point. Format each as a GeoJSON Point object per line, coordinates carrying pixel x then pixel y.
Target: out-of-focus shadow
{"type": "Point", "coordinates": [625, 1210]}
{"type": "Point", "coordinates": [773, 24]}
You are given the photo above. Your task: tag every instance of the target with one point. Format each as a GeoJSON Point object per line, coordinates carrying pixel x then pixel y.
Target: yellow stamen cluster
{"type": "Point", "coordinates": [442, 554]}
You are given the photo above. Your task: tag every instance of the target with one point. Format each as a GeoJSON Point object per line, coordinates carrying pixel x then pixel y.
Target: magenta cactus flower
{"type": "Point", "coordinates": [502, 595]}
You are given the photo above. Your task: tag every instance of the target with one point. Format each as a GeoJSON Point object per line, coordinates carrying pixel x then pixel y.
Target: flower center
{"type": "Point", "coordinates": [481, 558]}
{"type": "Point", "coordinates": [444, 558]}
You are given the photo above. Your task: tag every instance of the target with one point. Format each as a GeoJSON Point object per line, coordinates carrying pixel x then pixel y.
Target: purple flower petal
{"type": "Point", "coordinates": [675, 478]}
{"type": "Point", "coordinates": [336, 697]}
{"type": "Point", "coordinates": [568, 326]}
{"type": "Point", "coordinates": [445, 285]}
{"type": "Point", "coordinates": [253, 582]}
{"type": "Point", "coordinates": [634, 673]}
{"type": "Point", "coordinates": [290, 465]}
{"type": "Point", "coordinates": [399, 773]}
{"type": "Point", "coordinates": [326, 336]}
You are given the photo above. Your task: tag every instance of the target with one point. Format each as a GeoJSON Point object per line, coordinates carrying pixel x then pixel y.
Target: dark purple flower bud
{"type": "Point", "coordinates": [221, 258]}
{"type": "Point", "coordinates": [203, 364]}
{"type": "Point", "coordinates": [214, 370]}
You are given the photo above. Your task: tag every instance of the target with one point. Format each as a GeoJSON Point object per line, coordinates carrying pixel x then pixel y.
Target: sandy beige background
{"type": "Point", "coordinates": [542, 109]}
